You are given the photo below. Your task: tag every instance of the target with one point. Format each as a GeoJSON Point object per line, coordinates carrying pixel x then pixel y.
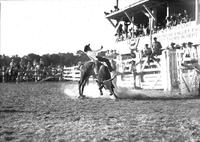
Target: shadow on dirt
{"type": "Point", "coordinates": [15, 111]}
{"type": "Point", "coordinates": [125, 93]}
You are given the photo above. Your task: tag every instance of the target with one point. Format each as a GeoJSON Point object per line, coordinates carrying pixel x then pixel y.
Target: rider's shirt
{"type": "Point", "coordinates": [91, 55]}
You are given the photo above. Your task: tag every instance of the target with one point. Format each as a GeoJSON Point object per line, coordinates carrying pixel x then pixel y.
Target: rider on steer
{"type": "Point", "coordinates": [92, 54]}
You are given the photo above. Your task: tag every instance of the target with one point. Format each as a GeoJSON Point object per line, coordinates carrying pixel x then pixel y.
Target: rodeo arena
{"type": "Point", "coordinates": [145, 88]}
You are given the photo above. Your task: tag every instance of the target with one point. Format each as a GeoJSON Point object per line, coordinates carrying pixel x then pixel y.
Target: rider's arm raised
{"type": "Point", "coordinates": [98, 49]}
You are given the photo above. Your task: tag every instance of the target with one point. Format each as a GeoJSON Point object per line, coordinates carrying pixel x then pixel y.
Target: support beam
{"type": "Point", "coordinates": [168, 9]}
{"type": "Point", "coordinates": [149, 11]}
{"type": "Point", "coordinates": [117, 3]}
{"type": "Point", "coordinates": [129, 18]}
{"type": "Point", "coordinates": [146, 14]}
{"type": "Point", "coordinates": [112, 23]}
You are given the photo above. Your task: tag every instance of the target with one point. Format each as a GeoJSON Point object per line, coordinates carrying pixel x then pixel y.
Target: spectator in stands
{"type": "Point", "coordinates": [186, 50]}
{"type": "Point", "coordinates": [141, 30]}
{"type": "Point", "coordinates": [193, 51]}
{"type": "Point", "coordinates": [108, 53]}
{"type": "Point", "coordinates": [190, 53]}
{"type": "Point", "coordinates": [115, 54]}
{"type": "Point", "coordinates": [22, 65]}
{"type": "Point", "coordinates": [12, 63]}
{"type": "Point", "coordinates": [106, 13]}
{"type": "Point", "coordinates": [120, 32]}
{"type": "Point", "coordinates": [183, 47]}
{"type": "Point", "coordinates": [41, 63]}
{"type": "Point", "coordinates": [177, 46]}
{"type": "Point", "coordinates": [137, 31]}
{"type": "Point", "coordinates": [28, 66]}
{"type": "Point", "coordinates": [174, 20]}
{"type": "Point", "coordinates": [172, 46]}
{"type": "Point", "coordinates": [179, 18]}
{"type": "Point", "coordinates": [146, 30]}
{"type": "Point", "coordinates": [157, 47]}
{"type": "Point", "coordinates": [147, 53]}
{"type": "Point", "coordinates": [116, 8]}
{"type": "Point", "coordinates": [130, 33]}
{"type": "Point", "coordinates": [185, 17]}
{"type": "Point", "coordinates": [126, 24]}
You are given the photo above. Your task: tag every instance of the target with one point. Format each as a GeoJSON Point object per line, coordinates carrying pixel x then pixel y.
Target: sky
{"type": "Point", "coordinates": [54, 26]}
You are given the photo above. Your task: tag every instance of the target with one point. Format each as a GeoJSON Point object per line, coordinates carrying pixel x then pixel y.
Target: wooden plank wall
{"type": "Point", "coordinates": [188, 78]}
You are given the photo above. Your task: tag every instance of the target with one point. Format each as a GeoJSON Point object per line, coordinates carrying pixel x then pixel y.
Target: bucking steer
{"type": "Point", "coordinates": [103, 78]}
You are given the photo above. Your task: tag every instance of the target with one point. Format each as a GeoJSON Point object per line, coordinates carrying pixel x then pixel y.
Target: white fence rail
{"type": "Point", "coordinates": [71, 73]}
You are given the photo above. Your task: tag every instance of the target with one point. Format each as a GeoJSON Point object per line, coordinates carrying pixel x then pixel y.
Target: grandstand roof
{"type": "Point", "coordinates": [133, 9]}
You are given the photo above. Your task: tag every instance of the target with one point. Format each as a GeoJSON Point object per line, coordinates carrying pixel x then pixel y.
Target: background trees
{"type": "Point", "coordinates": [62, 59]}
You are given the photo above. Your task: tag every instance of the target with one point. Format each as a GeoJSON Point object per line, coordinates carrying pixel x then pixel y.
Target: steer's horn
{"type": "Point", "coordinates": [111, 78]}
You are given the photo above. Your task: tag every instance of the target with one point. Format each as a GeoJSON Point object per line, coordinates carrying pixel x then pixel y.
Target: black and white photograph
{"type": "Point", "coordinates": [99, 70]}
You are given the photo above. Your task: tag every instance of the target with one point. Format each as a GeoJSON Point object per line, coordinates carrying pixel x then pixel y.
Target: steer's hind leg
{"type": "Point", "coordinates": [113, 92]}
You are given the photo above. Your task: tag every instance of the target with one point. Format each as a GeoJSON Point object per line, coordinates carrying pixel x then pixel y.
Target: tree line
{"type": "Point", "coordinates": [61, 59]}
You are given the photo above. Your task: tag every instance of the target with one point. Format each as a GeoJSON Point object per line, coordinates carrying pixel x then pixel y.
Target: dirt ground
{"type": "Point", "coordinates": [43, 112]}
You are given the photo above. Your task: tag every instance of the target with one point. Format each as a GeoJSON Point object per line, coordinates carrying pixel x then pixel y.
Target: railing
{"type": "Point", "coordinates": [71, 73]}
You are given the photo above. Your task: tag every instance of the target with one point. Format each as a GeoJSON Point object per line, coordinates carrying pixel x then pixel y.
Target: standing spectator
{"type": "Point", "coordinates": [130, 33]}
{"type": "Point", "coordinates": [172, 46]}
{"type": "Point", "coordinates": [28, 66]}
{"type": "Point", "coordinates": [12, 63]}
{"type": "Point", "coordinates": [120, 32]}
{"type": "Point", "coordinates": [174, 20]}
{"type": "Point", "coordinates": [41, 64]}
{"type": "Point", "coordinates": [116, 8]}
{"type": "Point", "coordinates": [141, 30]}
{"type": "Point", "coordinates": [179, 18]}
{"type": "Point", "coordinates": [185, 17]}
{"type": "Point", "coordinates": [22, 65]}
{"type": "Point", "coordinates": [193, 51]}
{"type": "Point", "coordinates": [157, 47]}
{"type": "Point", "coordinates": [186, 51]}
{"type": "Point", "coordinates": [126, 24]}
{"type": "Point", "coordinates": [168, 23]}
{"type": "Point", "coordinates": [147, 53]}
{"type": "Point", "coordinates": [183, 47]}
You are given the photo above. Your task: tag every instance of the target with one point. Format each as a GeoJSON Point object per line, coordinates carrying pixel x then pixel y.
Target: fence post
{"type": "Point", "coordinates": [3, 74]}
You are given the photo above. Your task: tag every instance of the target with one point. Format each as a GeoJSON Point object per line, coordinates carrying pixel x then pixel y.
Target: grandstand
{"type": "Point", "coordinates": [171, 22]}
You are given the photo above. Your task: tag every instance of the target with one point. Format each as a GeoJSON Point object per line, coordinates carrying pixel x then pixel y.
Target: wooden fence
{"type": "Point", "coordinates": [188, 77]}
{"type": "Point", "coordinates": [71, 73]}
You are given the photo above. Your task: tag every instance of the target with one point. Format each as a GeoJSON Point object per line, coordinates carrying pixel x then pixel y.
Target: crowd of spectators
{"type": "Point", "coordinates": [27, 71]}
{"type": "Point", "coordinates": [116, 8]}
{"type": "Point", "coordinates": [152, 53]}
{"type": "Point", "coordinates": [189, 50]}
{"type": "Point", "coordinates": [176, 19]}
{"type": "Point", "coordinates": [125, 30]}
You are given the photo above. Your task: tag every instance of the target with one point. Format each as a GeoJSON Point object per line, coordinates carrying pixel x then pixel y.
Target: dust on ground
{"type": "Point", "coordinates": [45, 112]}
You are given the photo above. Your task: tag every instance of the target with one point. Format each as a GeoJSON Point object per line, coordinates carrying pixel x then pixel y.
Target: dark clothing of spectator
{"type": "Point", "coordinates": [157, 47]}
{"type": "Point", "coordinates": [120, 30]}
{"type": "Point", "coordinates": [126, 24]}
